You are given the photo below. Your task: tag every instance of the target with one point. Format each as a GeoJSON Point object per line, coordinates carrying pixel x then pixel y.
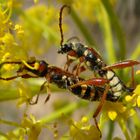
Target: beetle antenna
{"type": "Point", "coordinates": [60, 23]}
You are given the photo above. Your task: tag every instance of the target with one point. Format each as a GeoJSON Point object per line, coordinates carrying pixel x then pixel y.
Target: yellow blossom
{"type": "Point", "coordinates": [138, 72]}
{"type": "Point", "coordinates": [132, 112]}
{"type": "Point", "coordinates": [112, 114]}
{"type": "Point", "coordinates": [32, 126]}
{"type": "Point", "coordinates": [5, 56]}
{"type": "Point", "coordinates": [19, 29]}
{"type": "Point", "coordinates": [84, 120]}
{"type": "Point", "coordinates": [8, 39]}
{"type": "Point", "coordinates": [35, 1]}
{"type": "Point", "coordinates": [138, 101]}
{"type": "Point", "coordinates": [83, 130]}
{"type": "Point", "coordinates": [10, 4]}
{"type": "Point", "coordinates": [24, 93]}
{"type": "Point", "coordinates": [42, 22]}
{"type": "Point", "coordinates": [128, 98]}
{"type": "Point", "coordinates": [135, 98]}
{"type": "Point", "coordinates": [137, 90]}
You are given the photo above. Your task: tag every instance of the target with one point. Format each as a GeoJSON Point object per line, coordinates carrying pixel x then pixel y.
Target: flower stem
{"type": "Point", "coordinates": [65, 110]}
{"type": "Point", "coordinates": [116, 25]}
{"type": "Point", "coordinates": [111, 130]}
{"type": "Point", "coordinates": [9, 123]}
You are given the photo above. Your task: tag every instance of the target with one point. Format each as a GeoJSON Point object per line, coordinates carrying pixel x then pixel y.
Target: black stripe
{"type": "Point", "coordinates": [77, 90]}
{"type": "Point", "coordinates": [119, 82]}
{"type": "Point", "coordinates": [87, 93]}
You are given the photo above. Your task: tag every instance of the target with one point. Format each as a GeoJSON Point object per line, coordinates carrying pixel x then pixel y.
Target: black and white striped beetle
{"type": "Point", "coordinates": [92, 89]}
{"type": "Point", "coordinates": [93, 61]}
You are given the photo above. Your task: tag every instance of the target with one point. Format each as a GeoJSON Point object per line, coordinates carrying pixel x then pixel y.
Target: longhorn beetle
{"type": "Point", "coordinates": [93, 61]}
{"type": "Point", "coordinates": [91, 89]}
{"type": "Point", "coordinates": [95, 89]}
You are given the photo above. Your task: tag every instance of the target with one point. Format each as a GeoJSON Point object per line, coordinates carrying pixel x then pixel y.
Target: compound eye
{"type": "Point", "coordinates": [43, 66]}
{"type": "Point", "coordinates": [64, 48]}
{"type": "Point", "coordinates": [69, 47]}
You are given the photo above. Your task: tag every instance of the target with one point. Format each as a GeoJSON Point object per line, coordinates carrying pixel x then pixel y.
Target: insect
{"type": "Point", "coordinates": [63, 79]}
{"type": "Point", "coordinates": [93, 61]}
{"type": "Point", "coordinates": [91, 89]}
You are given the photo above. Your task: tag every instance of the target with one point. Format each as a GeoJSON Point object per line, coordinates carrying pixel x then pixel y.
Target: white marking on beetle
{"type": "Point", "coordinates": [117, 94]}
{"type": "Point", "coordinates": [85, 52]}
{"type": "Point", "coordinates": [109, 74]}
{"type": "Point", "coordinates": [98, 60]}
{"type": "Point", "coordinates": [64, 77]}
{"type": "Point", "coordinates": [84, 88]}
{"type": "Point", "coordinates": [70, 81]}
{"type": "Point", "coordinates": [117, 88]}
{"type": "Point", "coordinates": [114, 81]}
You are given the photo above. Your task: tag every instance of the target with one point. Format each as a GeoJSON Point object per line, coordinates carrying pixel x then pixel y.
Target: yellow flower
{"type": "Point", "coordinates": [41, 29]}
{"type": "Point", "coordinates": [35, 1]}
{"type": "Point", "coordinates": [8, 39]}
{"type": "Point", "coordinates": [116, 110]}
{"type": "Point", "coordinates": [24, 93]}
{"type": "Point", "coordinates": [138, 72]}
{"type": "Point", "coordinates": [112, 114]}
{"type": "Point", "coordinates": [138, 101]}
{"type": "Point", "coordinates": [83, 130]}
{"type": "Point", "coordinates": [135, 98]}
{"type": "Point", "coordinates": [19, 29]}
{"type": "Point", "coordinates": [33, 127]}
{"type": "Point", "coordinates": [5, 56]}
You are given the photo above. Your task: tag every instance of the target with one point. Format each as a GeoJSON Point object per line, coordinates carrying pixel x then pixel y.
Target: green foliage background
{"type": "Point", "coordinates": [30, 29]}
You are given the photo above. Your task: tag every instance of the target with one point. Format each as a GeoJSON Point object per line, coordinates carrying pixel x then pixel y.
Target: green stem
{"type": "Point", "coordinates": [104, 23]}
{"type": "Point", "coordinates": [66, 110]}
{"type": "Point", "coordinates": [9, 94]}
{"type": "Point", "coordinates": [13, 93]}
{"type": "Point", "coordinates": [124, 129]}
{"type": "Point", "coordinates": [87, 35]}
{"type": "Point", "coordinates": [117, 27]}
{"type": "Point", "coordinates": [9, 123]}
{"type": "Point", "coordinates": [111, 130]}
{"type": "Point", "coordinates": [136, 53]}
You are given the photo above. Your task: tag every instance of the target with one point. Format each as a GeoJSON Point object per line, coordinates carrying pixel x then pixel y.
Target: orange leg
{"type": "Point", "coordinates": [132, 75]}
{"type": "Point", "coordinates": [78, 68]}
{"type": "Point", "coordinates": [48, 92]}
{"type": "Point", "coordinates": [122, 64]}
{"type": "Point", "coordinates": [71, 56]}
{"type": "Point", "coordinates": [66, 67]}
{"type": "Point", "coordinates": [100, 107]}
{"type": "Point", "coordinates": [93, 82]}
{"type": "Point", "coordinates": [41, 89]}
{"type": "Point", "coordinates": [81, 69]}
{"type": "Point", "coordinates": [81, 59]}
